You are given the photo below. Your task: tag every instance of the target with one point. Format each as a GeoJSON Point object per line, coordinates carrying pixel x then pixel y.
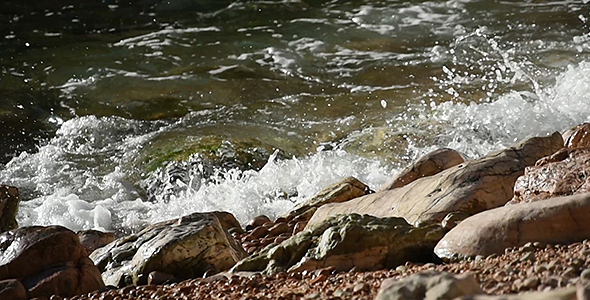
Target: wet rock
{"type": "Point", "coordinates": [345, 242]}
{"type": "Point", "coordinates": [186, 247]}
{"type": "Point", "coordinates": [94, 239]}
{"type": "Point", "coordinates": [577, 137]}
{"type": "Point", "coordinates": [429, 285]}
{"type": "Point", "coordinates": [561, 174]}
{"type": "Point", "coordinates": [47, 261]}
{"type": "Point", "coordinates": [9, 199]}
{"type": "Point", "coordinates": [258, 221]}
{"type": "Point", "coordinates": [12, 289]}
{"type": "Point", "coordinates": [470, 187]}
{"type": "Point", "coordinates": [556, 220]}
{"type": "Point", "coordinates": [562, 294]}
{"type": "Point", "coordinates": [278, 228]}
{"type": "Point", "coordinates": [428, 165]}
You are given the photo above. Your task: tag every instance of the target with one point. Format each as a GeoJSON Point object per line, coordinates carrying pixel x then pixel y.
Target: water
{"type": "Point", "coordinates": [116, 115]}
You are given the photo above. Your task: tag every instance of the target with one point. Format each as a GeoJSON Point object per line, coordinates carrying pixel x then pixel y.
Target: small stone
{"type": "Point", "coordinates": [585, 275]}
{"type": "Point", "coordinates": [570, 272]}
{"type": "Point", "coordinates": [319, 278]}
{"type": "Point", "coordinates": [531, 282]}
{"type": "Point", "coordinates": [257, 221]}
{"type": "Point", "coordinates": [313, 296]}
{"type": "Point", "coordinates": [340, 293]}
{"type": "Point", "coordinates": [401, 269]}
{"type": "Point", "coordinates": [258, 232]}
{"type": "Point", "coordinates": [540, 268]}
{"type": "Point", "coordinates": [278, 228]}
{"type": "Point", "coordinates": [530, 256]}
{"type": "Point", "coordinates": [360, 287]}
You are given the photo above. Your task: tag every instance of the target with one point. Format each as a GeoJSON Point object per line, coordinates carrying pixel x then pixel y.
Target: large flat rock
{"type": "Point", "coordinates": [470, 187]}
{"type": "Point", "coordinates": [556, 220]}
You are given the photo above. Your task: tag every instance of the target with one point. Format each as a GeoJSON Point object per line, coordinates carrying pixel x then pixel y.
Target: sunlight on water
{"type": "Point", "coordinates": [77, 194]}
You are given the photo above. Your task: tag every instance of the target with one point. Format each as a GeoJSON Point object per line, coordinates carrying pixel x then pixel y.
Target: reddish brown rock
{"type": "Point", "coordinates": [578, 136]}
{"type": "Point", "coordinates": [47, 261]}
{"type": "Point", "coordinates": [278, 228]}
{"type": "Point", "coordinates": [257, 221]}
{"type": "Point", "coordinates": [562, 174]}
{"type": "Point", "coordinates": [427, 165]}
{"type": "Point", "coordinates": [555, 220]}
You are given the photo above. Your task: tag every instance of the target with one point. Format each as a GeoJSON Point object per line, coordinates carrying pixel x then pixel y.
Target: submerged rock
{"type": "Point", "coordinates": [47, 261]}
{"type": "Point", "coordinates": [562, 174]}
{"type": "Point", "coordinates": [429, 285]}
{"type": "Point", "coordinates": [9, 199]}
{"type": "Point", "coordinates": [427, 165]}
{"type": "Point", "coordinates": [470, 187]}
{"type": "Point", "coordinates": [347, 241]}
{"type": "Point", "coordinates": [184, 248]}
{"type": "Point", "coordinates": [556, 220]}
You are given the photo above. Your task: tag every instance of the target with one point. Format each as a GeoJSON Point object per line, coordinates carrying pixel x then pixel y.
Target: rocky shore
{"type": "Point", "coordinates": [514, 224]}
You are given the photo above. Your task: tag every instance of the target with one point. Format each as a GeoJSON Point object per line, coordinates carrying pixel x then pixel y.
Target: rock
{"type": "Point", "coordinates": [561, 294]}
{"type": "Point", "coordinates": [258, 221]}
{"type": "Point", "coordinates": [556, 220]}
{"type": "Point", "coordinates": [185, 248]}
{"type": "Point", "coordinates": [345, 190]}
{"type": "Point", "coordinates": [428, 165]}
{"type": "Point", "coordinates": [578, 136]}
{"type": "Point", "coordinates": [93, 239]}
{"type": "Point", "coordinates": [561, 174]}
{"type": "Point", "coordinates": [429, 285]}
{"type": "Point", "coordinates": [278, 228]}
{"type": "Point", "coordinates": [9, 199]}
{"type": "Point", "coordinates": [12, 289]}
{"type": "Point", "coordinates": [347, 241]}
{"type": "Point", "coordinates": [470, 187]}
{"type": "Point", "coordinates": [47, 260]}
